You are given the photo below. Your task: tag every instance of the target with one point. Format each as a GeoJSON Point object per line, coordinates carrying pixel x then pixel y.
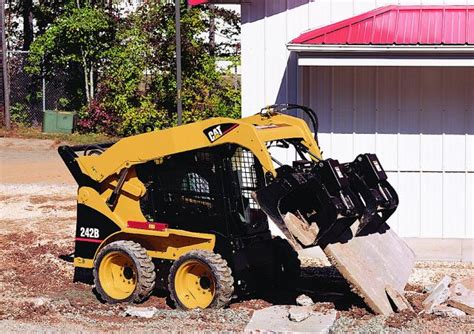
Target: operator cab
{"type": "Point", "coordinates": [206, 190]}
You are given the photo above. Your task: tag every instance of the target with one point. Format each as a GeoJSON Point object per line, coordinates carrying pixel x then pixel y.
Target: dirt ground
{"type": "Point", "coordinates": [37, 217]}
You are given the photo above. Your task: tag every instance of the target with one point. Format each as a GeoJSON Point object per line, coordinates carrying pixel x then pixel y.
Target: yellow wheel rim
{"type": "Point", "coordinates": [194, 284]}
{"type": "Point", "coordinates": [117, 275]}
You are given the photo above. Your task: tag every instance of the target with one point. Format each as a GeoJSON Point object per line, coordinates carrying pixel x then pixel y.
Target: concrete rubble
{"type": "Point", "coordinates": [140, 312]}
{"type": "Point", "coordinates": [438, 295]}
{"type": "Point", "coordinates": [451, 299]}
{"type": "Point", "coordinates": [462, 295]}
{"type": "Point", "coordinates": [299, 313]}
{"type": "Point", "coordinates": [447, 311]}
{"type": "Point", "coordinates": [277, 319]}
{"type": "Point", "coordinates": [304, 300]}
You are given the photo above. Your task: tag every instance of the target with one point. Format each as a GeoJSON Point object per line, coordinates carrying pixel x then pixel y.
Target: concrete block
{"type": "Point", "coordinates": [462, 295]}
{"type": "Point", "coordinates": [140, 312]}
{"type": "Point", "coordinates": [439, 294]}
{"type": "Point", "coordinates": [299, 313]}
{"type": "Point", "coordinates": [446, 311]}
{"type": "Point", "coordinates": [275, 319]}
{"type": "Point", "coordinates": [304, 300]}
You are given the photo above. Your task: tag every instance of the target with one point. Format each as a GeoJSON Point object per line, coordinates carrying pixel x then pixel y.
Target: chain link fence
{"type": "Point", "coordinates": [31, 95]}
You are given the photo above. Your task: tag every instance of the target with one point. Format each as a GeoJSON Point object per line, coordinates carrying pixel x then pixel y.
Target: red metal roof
{"type": "Point", "coordinates": [399, 25]}
{"type": "Point", "coordinates": [196, 2]}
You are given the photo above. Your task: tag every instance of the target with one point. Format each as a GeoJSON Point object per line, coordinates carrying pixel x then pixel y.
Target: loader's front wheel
{"type": "Point", "coordinates": [200, 279]}
{"type": "Point", "coordinates": [123, 272]}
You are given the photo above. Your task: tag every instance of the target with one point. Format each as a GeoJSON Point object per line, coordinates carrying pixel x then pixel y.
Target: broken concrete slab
{"type": "Point", "coordinates": [468, 283]}
{"type": "Point", "coordinates": [446, 311]}
{"type": "Point", "coordinates": [401, 303]}
{"type": "Point", "coordinates": [464, 303]}
{"type": "Point", "coordinates": [275, 319]}
{"type": "Point", "coordinates": [372, 260]}
{"type": "Point", "coordinates": [304, 300]}
{"type": "Point", "coordinates": [140, 312]}
{"type": "Point", "coordinates": [299, 313]}
{"type": "Point", "coordinates": [439, 294]}
{"type": "Point", "coordinates": [303, 231]}
{"type": "Point", "coordinates": [462, 297]}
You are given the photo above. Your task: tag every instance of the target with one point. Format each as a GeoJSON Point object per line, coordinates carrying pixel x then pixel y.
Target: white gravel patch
{"type": "Point", "coordinates": [37, 189]}
{"type": "Point", "coordinates": [36, 201]}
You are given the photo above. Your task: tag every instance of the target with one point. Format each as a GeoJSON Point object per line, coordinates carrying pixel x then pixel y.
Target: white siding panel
{"type": "Point", "coordinates": [275, 57]}
{"type": "Point", "coordinates": [342, 148]}
{"type": "Point", "coordinates": [363, 6]}
{"type": "Point", "coordinates": [343, 113]}
{"type": "Point", "coordinates": [387, 148]}
{"type": "Point", "coordinates": [470, 153]}
{"type": "Point", "coordinates": [253, 50]}
{"type": "Point", "coordinates": [431, 154]}
{"type": "Point", "coordinates": [410, 106]}
{"type": "Point", "coordinates": [454, 120]}
{"type": "Point", "coordinates": [409, 208]}
{"type": "Point", "coordinates": [409, 152]}
{"type": "Point", "coordinates": [454, 205]}
{"type": "Point", "coordinates": [393, 221]}
{"type": "Point", "coordinates": [470, 121]}
{"type": "Point", "coordinates": [319, 13]}
{"type": "Point", "coordinates": [364, 143]}
{"type": "Point", "coordinates": [365, 102]}
{"type": "Point", "coordinates": [380, 3]}
{"type": "Point", "coordinates": [431, 118]}
{"type": "Point", "coordinates": [342, 9]}
{"type": "Point", "coordinates": [325, 144]}
{"type": "Point", "coordinates": [431, 205]}
{"type": "Point", "coordinates": [470, 206]}
{"type": "Point", "coordinates": [454, 149]}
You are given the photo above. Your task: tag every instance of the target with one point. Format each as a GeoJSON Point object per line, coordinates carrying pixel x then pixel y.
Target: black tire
{"type": "Point", "coordinates": [139, 267]}
{"type": "Point", "coordinates": [287, 264]}
{"type": "Point", "coordinates": [221, 278]}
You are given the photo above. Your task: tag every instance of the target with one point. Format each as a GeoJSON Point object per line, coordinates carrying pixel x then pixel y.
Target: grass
{"type": "Point", "coordinates": [71, 139]}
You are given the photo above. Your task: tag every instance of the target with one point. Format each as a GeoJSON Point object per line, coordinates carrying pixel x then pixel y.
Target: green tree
{"type": "Point", "coordinates": [139, 75]}
{"type": "Point", "coordinates": [79, 38]}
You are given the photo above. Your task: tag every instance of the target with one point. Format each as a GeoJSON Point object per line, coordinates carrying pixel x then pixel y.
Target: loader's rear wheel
{"type": "Point", "coordinates": [123, 272]}
{"type": "Point", "coordinates": [200, 279]}
{"type": "Point", "coordinates": [288, 265]}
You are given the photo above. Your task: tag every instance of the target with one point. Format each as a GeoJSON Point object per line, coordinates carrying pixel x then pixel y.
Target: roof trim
{"type": "Point", "coordinates": [344, 48]}
{"type": "Point", "coordinates": [385, 61]}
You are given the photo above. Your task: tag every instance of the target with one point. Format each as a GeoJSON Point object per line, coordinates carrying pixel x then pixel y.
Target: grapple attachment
{"type": "Point", "coordinates": [343, 208]}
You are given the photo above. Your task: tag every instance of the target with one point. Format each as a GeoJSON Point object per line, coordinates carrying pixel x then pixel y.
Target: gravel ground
{"type": "Point", "coordinates": [37, 220]}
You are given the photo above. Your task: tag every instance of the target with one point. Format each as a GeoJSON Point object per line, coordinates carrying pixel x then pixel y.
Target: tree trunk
{"type": "Point", "coordinates": [91, 82]}
{"type": "Point", "coordinates": [28, 34]}
{"type": "Point", "coordinates": [86, 77]}
{"type": "Point", "coordinates": [212, 30]}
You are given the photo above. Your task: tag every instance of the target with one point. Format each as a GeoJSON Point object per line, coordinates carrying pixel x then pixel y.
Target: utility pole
{"type": "Point", "coordinates": [6, 83]}
{"type": "Point", "coordinates": [179, 84]}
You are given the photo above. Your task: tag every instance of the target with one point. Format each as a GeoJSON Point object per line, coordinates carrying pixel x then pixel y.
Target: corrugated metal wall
{"type": "Point", "coordinates": [420, 121]}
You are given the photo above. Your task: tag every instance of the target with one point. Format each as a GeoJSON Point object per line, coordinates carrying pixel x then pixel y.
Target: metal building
{"type": "Point", "coordinates": [395, 80]}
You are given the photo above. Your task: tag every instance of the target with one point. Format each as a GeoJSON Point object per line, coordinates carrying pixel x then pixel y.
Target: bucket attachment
{"type": "Point", "coordinates": [343, 208]}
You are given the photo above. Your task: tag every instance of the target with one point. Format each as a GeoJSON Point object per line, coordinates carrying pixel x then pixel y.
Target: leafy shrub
{"type": "Point", "coordinates": [19, 115]}
{"type": "Point", "coordinates": [129, 70]}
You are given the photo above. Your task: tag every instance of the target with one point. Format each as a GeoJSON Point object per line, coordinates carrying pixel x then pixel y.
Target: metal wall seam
{"type": "Point", "coordinates": [399, 106]}
{"type": "Point", "coordinates": [443, 122]}
{"type": "Point", "coordinates": [420, 118]}
{"type": "Point", "coordinates": [332, 111]}
{"type": "Point", "coordinates": [354, 108]}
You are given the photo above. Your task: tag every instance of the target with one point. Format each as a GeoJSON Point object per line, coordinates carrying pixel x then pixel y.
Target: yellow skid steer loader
{"type": "Point", "coordinates": [188, 209]}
